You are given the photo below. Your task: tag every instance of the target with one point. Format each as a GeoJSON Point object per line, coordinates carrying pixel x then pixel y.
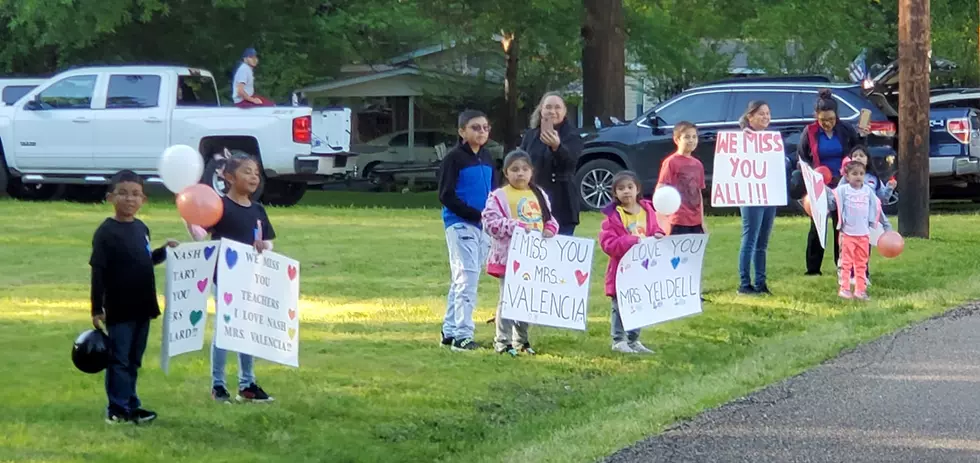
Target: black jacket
{"type": "Point", "coordinates": [554, 171]}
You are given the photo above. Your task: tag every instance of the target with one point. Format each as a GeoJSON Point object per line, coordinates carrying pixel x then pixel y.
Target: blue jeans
{"type": "Point", "coordinates": [756, 227]}
{"type": "Point", "coordinates": [619, 333]}
{"type": "Point", "coordinates": [219, 358]}
{"type": "Point", "coordinates": [127, 342]}
{"type": "Point", "coordinates": [468, 248]}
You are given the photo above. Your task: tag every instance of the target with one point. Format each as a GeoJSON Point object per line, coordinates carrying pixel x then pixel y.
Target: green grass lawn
{"type": "Point", "coordinates": [374, 385]}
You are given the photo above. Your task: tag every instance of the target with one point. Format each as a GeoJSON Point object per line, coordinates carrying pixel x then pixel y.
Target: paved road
{"type": "Point", "coordinates": [909, 397]}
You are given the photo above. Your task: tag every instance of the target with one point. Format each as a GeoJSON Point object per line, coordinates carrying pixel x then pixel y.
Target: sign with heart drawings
{"type": "Point", "coordinates": [257, 303]}
{"type": "Point", "coordinates": [660, 280]}
{"type": "Point", "coordinates": [817, 192]}
{"type": "Point", "coordinates": [190, 268]}
{"type": "Point", "coordinates": [547, 280]}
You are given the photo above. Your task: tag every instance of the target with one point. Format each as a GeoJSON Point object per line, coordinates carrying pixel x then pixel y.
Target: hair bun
{"type": "Point", "coordinates": [825, 93]}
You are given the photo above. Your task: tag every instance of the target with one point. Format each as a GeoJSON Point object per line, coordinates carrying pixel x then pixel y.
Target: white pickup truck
{"type": "Point", "coordinates": [78, 128]}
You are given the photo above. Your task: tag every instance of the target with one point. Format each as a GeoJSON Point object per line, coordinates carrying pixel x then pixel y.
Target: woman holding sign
{"type": "Point", "coordinates": [825, 142]}
{"type": "Point", "coordinates": [756, 220]}
{"type": "Point", "coordinates": [554, 145]}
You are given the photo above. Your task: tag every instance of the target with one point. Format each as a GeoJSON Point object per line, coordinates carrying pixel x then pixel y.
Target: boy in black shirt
{"type": "Point", "coordinates": [124, 296]}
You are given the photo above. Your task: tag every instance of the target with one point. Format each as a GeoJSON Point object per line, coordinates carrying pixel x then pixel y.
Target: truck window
{"type": "Point", "coordinates": [196, 91]}
{"type": "Point", "coordinates": [69, 93]}
{"type": "Point", "coordinates": [133, 91]}
{"type": "Point", "coordinates": [14, 92]}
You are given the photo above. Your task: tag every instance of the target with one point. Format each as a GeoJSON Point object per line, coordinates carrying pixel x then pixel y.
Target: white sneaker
{"type": "Point", "coordinates": [623, 347]}
{"type": "Point", "coordinates": [639, 348]}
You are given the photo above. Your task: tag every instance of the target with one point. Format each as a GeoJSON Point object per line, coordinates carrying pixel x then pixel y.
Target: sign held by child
{"type": "Point", "coordinates": [257, 303]}
{"type": "Point", "coordinates": [660, 280]}
{"type": "Point", "coordinates": [190, 269]}
{"type": "Point", "coordinates": [547, 280]}
{"type": "Point", "coordinates": [749, 169]}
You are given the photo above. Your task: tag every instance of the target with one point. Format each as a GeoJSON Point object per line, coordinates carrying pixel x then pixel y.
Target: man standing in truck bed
{"type": "Point", "coordinates": [243, 84]}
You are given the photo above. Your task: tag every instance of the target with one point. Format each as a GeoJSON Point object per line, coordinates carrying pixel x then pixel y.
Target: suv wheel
{"type": "Point", "coordinates": [594, 182]}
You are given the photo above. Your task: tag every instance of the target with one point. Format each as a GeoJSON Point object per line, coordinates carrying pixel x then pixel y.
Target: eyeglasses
{"type": "Point", "coordinates": [480, 128]}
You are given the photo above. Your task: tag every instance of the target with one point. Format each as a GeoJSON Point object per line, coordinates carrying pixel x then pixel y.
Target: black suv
{"type": "Point", "coordinates": [642, 144]}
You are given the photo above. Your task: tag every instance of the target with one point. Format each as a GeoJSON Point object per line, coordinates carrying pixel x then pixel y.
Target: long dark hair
{"type": "Point", "coordinates": [626, 176]}
{"type": "Point", "coordinates": [870, 167]}
{"type": "Point", "coordinates": [521, 155]}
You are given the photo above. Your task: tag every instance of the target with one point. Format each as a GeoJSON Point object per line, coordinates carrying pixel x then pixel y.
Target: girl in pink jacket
{"type": "Point", "coordinates": [517, 207]}
{"type": "Point", "coordinates": [629, 218]}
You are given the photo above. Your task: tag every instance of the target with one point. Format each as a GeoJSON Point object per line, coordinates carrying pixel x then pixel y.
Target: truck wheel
{"type": "Point", "coordinates": [4, 176]}
{"type": "Point", "coordinates": [85, 193]}
{"type": "Point", "coordinates": [34, 191]}
{"type": "Point", "coordinates": [212, 177]}
{"type": "Point", "coordinates": [283, 193]}
{"type": "Point", "coordinates": [594, 181]}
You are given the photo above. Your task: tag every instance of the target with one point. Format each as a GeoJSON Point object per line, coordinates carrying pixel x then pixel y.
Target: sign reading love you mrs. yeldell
{"type": "Point", "coordinates": [547, 280]}
{"type": "Point", "coordinates": [660, 280]}
{"type": "Point", "coordinates": [190, 268]}
{"type": "Point", "coordinates": [257, 304]}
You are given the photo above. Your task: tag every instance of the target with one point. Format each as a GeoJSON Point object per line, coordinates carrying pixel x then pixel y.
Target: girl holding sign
{"type": "Point", "coordinates": [628, 220]}
{"type": "Point", "coordinates": [244, 221]}
{"type": "Point", "coordinates": [756, 220]}
{"type": "Point", "coordinates": [520, 204]}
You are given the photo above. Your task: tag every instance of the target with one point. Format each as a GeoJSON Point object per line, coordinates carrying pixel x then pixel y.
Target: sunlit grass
{"type": "Point", "coordinates": [373, 384]}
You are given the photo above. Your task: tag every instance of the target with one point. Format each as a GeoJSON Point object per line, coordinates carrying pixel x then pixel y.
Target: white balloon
{"type": "Point", "coordinates": [666, 200]}
{"type": "Point", "coordinates": [180, 167]}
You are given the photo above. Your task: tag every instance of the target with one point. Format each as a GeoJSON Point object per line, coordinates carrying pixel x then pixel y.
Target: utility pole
{"type": "Point", "coordinates": [914, 42]}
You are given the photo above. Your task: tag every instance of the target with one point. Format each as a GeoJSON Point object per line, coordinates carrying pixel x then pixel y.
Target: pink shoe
{"type": "Point", "coordinates": [845, 294]}
{"type": "Point", "coordinates": [862, 296]}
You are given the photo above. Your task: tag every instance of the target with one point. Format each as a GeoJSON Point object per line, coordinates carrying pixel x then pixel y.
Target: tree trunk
{"type": "Point", "coordinates": [603, 61]}
{"type": "Point", "coordinates": [913, 117]}
{"type": "Point", "coordinates": [512, 126]}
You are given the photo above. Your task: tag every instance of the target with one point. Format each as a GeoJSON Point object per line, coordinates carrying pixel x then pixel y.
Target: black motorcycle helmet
{"type": "Point", "coordinates": [90, 354]}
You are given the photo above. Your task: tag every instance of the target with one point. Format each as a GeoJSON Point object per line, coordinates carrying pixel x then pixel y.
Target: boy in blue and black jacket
{"type": "Point", "coordinates": [466, 178]}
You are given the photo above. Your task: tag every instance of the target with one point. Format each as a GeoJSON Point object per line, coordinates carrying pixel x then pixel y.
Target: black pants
{"type": "Point", "coordinates": [686, 229]}
{"type": "Point", "coordinates": [127, 342]}
{"type": "Point", "coordinates": [566, 229]}
{"type": "Point", "coordinates": [814, 252]}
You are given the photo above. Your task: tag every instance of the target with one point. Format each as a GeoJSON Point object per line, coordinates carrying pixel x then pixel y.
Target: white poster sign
{"type": "Point", "coordinates": [547, 280]}
{"type": "Point", "coordinates": [257, 303]}
{"type": "Point", "coordinates": [660, 280]}
{"type": "Point", "coordinates": [816, 191]}
{"type": "Point", "coordinates": [190, 269]}
{"type": "Point", "coordinates": [749, 169]}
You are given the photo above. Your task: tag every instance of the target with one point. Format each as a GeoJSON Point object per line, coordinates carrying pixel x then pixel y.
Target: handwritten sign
{"type": "Point", "coordinates": [547, 280]}
{"type": "Point", "coordinates": [816, 192]}
{"type": "Point", "coordinates": [257, 303]}
{"type": "Point", "coordinates": [749, 169]}
{"type": "Point", "coordinates": [190, 268]}
{"type": "Point", "coordinates": [660, 280]}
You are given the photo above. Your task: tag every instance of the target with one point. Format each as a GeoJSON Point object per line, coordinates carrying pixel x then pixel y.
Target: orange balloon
{"type": "Point", "coordinates": [200, 205]}
{"type": "Point", "coordinates": [890, 244]}
{"type": "Point", "coordinates": [825, 171]}
{"type": "Point", "coordinates": [806, 204]}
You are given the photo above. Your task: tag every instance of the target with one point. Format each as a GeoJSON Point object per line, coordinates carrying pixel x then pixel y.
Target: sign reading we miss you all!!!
{"type": "Point", "coordinates": [547, 280]}
{"type": "Point", "coordinates": [749, 169]}
{"type": "Point", "coordinates": [257, 303]}
{"type": "Point", "coordinates": [190, 268]}
{"type": "Point", "coordinates": [660, 280]}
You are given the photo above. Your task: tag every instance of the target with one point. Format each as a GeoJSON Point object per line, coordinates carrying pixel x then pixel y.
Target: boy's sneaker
{"type": "Point", "coordinates": [220, 394]}
{"type": "Point", "coordinates": [141, 416]}
{"type": "Point", "coordinates": [462, 345]}
{"type": "Point", "coordinates": [623, 347]}
{"type": "Point", "coordinates": [526, 348]}
{"type": "Point", "coordinates": [862, 296]}
{"type": "Point", "coordinates": [845, 294]}
{"type": "Point", "coordinates": [253, 393]}
{"type": "Point", "coordinates": [115, 417]}
{"type": "Point", "coordinates": [747, 290]}
{"type": "Point", "coordinates": [639, 348]}
{"type": "Point", "coordinates": [446, 340]}
{"type": "Point", "coordinates": [763, 289]}
{"type": "Point", "coordinates": [509, 350]}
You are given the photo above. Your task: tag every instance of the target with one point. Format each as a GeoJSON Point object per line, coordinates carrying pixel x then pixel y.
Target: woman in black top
{"type": "Point", "coordinates": [555, 145]}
